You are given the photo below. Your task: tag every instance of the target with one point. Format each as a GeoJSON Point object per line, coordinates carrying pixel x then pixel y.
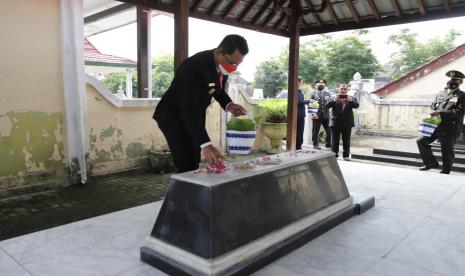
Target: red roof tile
{"type": "Point", "coordinates": [422, 71]}
{"type": "Point", "coordinates": [91, 54]}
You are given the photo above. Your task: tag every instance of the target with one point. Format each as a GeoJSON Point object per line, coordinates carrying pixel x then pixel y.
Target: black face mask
{"type": "Point", "coordinates": [320, 87]}
{"type": "Point", "coordinates": [453, 84]}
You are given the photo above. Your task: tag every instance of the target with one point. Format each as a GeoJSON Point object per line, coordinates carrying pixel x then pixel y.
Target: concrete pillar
{"type": "Point", "coordinates": [129, 84]}
{"type": "Point", "coordinates": [72, 28]}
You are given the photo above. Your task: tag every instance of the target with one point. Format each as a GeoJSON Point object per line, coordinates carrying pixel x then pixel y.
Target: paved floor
{"type": "Point", "coordinates": [29, 213]}
{"type": "Point", "coordinates": [416, 228]}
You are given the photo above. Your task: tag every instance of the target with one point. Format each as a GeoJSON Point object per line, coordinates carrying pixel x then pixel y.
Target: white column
{"type": "Point", "coordinates": [129, 84]}
{"type": "Point", "coordinates": [72, 30]}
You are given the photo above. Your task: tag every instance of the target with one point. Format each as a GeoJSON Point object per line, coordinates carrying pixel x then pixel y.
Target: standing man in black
{"type": "Point", "coordinates": [301, 110]}
{"type": "Point", "coordinates": [450, 105]}
{"type": "Point", "coordinates": [322, 96]}
{"type": "Point", "coordinates": [342, 120]}
{"type": "Point", "coordinates": [181, 112]}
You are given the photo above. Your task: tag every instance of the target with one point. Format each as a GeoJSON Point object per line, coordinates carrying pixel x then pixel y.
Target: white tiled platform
{"type": "Point", "coordinates": [416, 228]}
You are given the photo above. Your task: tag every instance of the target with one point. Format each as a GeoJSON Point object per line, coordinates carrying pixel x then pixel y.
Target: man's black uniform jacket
{"type": "Point", "coordinates": [451, 106]}
{"type": "Point", "coordinates": [195, 83]}
{"type": "Point", "coordinates": [342, 117]}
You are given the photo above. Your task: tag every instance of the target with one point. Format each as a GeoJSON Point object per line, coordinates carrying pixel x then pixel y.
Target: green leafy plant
{"type": "Point", "coordinates": [241, 124]}
{"type": "Point", "coordinates": [315, 104]}
{"type": "Point", "coordinates": [436, 120]}
{"type": "Point", "coordinates": [275, 110]}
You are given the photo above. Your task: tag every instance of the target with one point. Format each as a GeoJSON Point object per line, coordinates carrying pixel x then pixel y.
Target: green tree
{"type": "Point", "coordinates": [162, 74]}
{"type": "Point", "coordinates": [312, 62]}
{"type": "Point", "coordinates": [271, 77]}
{"type": "Point", "coordinates": [348, 55]}
{"type": "Point", "coordinates": [115, 80]}
{"type": "Point", "coordinates": [412, 53]}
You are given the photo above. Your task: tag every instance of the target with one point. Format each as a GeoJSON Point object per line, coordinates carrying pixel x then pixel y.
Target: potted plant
{"type": "Point", "coordinates": [275, 122]}
{"type": "Point", "coordinates": [240, 135]}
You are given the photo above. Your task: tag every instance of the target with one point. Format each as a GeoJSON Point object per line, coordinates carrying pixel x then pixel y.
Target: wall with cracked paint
{"type": "Point", "coordinates": [121, 137]}
{"type": "Point", "coordinates": [32, 105]}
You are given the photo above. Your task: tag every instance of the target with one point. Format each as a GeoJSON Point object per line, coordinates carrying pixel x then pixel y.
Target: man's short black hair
{"type": "Point", "coordinates": [231, 43]}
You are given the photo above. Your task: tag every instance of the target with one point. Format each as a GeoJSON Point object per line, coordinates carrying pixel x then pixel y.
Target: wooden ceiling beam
{"type": "Point", "coordinates": [247, 10]}
{"type": "Point", "coordinates": [197, 5]}
{"type": "Point", "coordinates": [421, 7]}
{"type": "Point", "coordinates": [353, 11]}
{"type": "Point", "coordinates": [268, 18]}
{"type": "Point", "coordinates": [333, 14]}
{"type": "Point", "coordinates": [280, 21]}
{"type": "Point", "coordinates": [213, 9]}
{"type": "Point", "coordinates": [317, 19]}
{"type": "Point", "coordinates": [387, 21]}
{"type": "Point", "coordinates": [107, 13]}
{"type": "Point", "coordinates": [260, 13]}
{"type": "Point", "coordinates": [396, 8]}
{"type": "Point", "coordinates": [446, 5]}
{"type": "Point", "coordinates": [202, 15]}
{"type": "Point", "coordinates": [374, 9]}
{"type": "Point", "coordinates": [231, 8]}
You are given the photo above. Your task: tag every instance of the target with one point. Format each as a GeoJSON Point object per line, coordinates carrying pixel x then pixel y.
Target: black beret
{"type": "Point", "coordinates": [455, 74]}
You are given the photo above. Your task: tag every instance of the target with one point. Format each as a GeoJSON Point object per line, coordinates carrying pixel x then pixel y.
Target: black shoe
{"type": "Point", "coordinates": [316, 147]}
{"type": "Point", "coordinates": [428, 167]}
{"type": "Point", "coordinates": [444, 172]}
{"type": "Point", "coordinates": [328, 146]}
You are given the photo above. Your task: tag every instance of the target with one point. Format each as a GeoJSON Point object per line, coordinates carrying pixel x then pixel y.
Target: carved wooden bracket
{"type": "Point", "coordinates": [314, 8]}
{"type": "Point", "coordinates": [278, 7]}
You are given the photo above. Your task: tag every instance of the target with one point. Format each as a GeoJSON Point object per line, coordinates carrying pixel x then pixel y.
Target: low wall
{"type": "Point", "coordinates": [392, 116]}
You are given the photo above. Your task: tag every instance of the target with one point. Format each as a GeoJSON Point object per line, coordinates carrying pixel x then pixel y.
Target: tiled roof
{"type": "Point", "coordinates": [92, 55]}
{"type": "Point", "coordinates": [422, 71]}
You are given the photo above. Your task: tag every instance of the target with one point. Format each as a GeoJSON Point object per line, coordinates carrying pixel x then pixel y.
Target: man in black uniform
{"type": "Point", "coordinates": [301, 112]}
{"type": "Point", "coordinates": [449, 104]}
{"type": "Point", "coordinates": [181, 112]}
{"type": "Point", "coordinates": [323, 96]}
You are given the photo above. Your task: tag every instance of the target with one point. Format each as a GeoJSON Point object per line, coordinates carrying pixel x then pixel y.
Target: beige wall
{"type": "Point", "coordinates": [390, 116]}
{"type": "Point", "coordinates": [32, 103]}
{"type": "Point", "coordinates": [428, 86]}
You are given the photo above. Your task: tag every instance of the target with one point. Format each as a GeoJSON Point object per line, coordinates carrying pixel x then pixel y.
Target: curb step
{"type": "Point", "coordinates": [409, 161]}
{"type": "Point", "coordinates": [459, 158]}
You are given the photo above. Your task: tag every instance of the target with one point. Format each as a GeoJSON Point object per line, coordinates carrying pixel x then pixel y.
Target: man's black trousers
{"type": "Point", "coordinates": [447, 149]}
{"type": "Point", "coordinates": [316, 130]}
{"type": "Point", "coordinates": [300, 132]}
{"type": "Point", "coordinates": [336, 133]}
{"type": "Point", "coordinates": [186, 156]}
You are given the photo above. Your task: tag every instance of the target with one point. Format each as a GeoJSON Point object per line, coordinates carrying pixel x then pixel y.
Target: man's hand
{"type": "Point", "coordinates": [213, 156]}
{"type": "Point", "coordinates": [337, 98]}
{"type": "Point", "coordinates": [435, 113]}
{"type": "Point", "coordinates": [236, 110]}
{"type": "Point", "coordinates": [315, 117]}
{"type": "Point", "coordinates": [349, 98]}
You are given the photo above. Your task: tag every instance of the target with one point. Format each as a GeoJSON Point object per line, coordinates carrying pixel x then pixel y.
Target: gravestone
{"type": "Point", "coordinates": [240, 220]}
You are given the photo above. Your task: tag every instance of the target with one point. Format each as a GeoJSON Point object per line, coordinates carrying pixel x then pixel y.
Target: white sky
{"type": "Point", "coordinates": [207, 35]}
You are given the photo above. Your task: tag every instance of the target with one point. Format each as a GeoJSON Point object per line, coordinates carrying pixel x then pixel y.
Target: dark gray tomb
{"type": "Point", "coordinates": [238, 221]}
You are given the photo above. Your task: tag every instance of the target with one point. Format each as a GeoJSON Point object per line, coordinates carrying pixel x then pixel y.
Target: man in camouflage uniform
{"type": "Point", "coordinates": [450, 106]}
{"type": "Point", "coordinates": [322, 96]}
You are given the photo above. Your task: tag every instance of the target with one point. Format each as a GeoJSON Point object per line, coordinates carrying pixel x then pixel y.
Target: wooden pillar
{"type": "Point", "coordinates": [294, 34]}
{"type": "Point", "coordinates": [181, 32]}
{"type": "Point", "coordinates": [144, 62]}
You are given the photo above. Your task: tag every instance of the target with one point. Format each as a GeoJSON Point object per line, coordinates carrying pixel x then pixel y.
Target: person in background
{"type": "Point", "coordinates": [322, 95]}
{"type": "Point", "coordinates": [342, 120]}
{"type": "Point", "coordinates": [301, 111]}
{"type": "Point", "coordinates": [449, 105]}
{"type": "Point", "coordinates": [181, 112]}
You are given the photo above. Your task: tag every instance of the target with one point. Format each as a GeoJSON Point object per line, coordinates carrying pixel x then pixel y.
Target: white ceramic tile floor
{"type": "Point", "coordinates": [416, 228]}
